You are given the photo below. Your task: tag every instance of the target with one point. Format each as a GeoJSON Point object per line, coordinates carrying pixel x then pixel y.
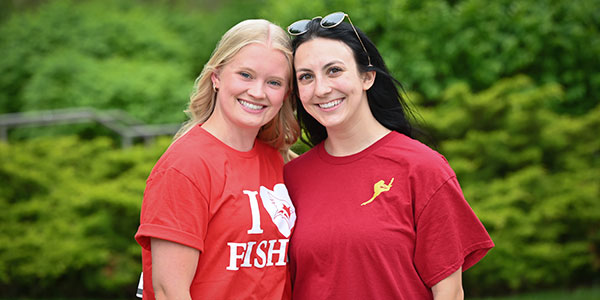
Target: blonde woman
{"type": "Point", "coordinates": [216, 217]}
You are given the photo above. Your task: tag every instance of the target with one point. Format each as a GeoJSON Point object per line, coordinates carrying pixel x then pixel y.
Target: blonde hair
{"type": "Point", "coordinates": [283, 130]}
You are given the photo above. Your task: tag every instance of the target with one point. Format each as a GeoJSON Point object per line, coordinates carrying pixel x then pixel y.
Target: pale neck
{"type": "Point", "coordinates": [241, 139]}
{"type": "Point", "coordinates": [354, 138]}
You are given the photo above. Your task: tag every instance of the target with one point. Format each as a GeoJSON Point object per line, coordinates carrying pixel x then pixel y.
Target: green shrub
{"type": "Point", "coordinates": [107, 55]}
{"type": "Point", "coordinates": [432, 44]}
{"type": "Point", "coordinates": [69, 211]}
{"type": "Point", "coordinates": [531, 175]}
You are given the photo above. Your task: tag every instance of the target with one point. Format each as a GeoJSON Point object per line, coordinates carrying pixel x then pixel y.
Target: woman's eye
{"type": "Point", "coordinates": [275, 83]}
{"type": "Point", "coordinates": [245, 75]}
{"type": "Point", "coordinates": [304, 77]}
{"type": "Point", "coordinates": [334, 70]}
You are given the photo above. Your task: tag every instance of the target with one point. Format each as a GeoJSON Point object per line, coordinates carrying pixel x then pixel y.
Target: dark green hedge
{"type": "Point", "coordinates": [531, 175]}
{"type": "Point", "coordinates": [69, 209]}
{"type": "Point", "coordinates": [143, 56]}
{"type": "Point", "coordinates": [431, 44]}
{"type": "Point", "coordinates": [107, 54]}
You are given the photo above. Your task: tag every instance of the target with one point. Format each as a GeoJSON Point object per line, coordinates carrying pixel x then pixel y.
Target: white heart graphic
{"type": "Point", "coordinates": [279, 206]}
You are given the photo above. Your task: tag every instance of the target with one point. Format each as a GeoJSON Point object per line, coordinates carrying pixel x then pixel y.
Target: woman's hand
{"type": "Point", "coordinates": [173, 268]}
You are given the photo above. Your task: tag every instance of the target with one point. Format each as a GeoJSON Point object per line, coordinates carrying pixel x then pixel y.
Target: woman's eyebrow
{"type": "Point", "coordinates": [332, 63]}
{"type": "Point", "coordinates": [327, 65]}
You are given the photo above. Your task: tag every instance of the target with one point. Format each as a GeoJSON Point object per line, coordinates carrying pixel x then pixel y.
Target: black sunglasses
{"type": "Point", "coordinates": [329, 21]}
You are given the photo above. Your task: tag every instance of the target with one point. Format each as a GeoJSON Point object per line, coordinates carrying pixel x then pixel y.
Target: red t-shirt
{"type": "Point", "coordinates": [386, 223]}
{"type": "Point", "coordinates": [232, 206]}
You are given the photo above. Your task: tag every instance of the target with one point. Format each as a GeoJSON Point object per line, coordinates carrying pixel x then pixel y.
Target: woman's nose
{"type": "Point", "coordinates": [322, 87]}
{"type": "Point", "coordinates": [257, 90]}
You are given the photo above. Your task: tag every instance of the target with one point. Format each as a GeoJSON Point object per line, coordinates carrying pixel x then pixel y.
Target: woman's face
{"type": "Point", "coordinates": [252, 86]}
{"type": "Point", "coordinates": [329, 85]}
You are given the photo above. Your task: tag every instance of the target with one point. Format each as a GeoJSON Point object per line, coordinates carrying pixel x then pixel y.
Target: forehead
{"type": "Point", "coordinates": [320, 51]}
{"type": "Point", "coordinates": [260, 57]}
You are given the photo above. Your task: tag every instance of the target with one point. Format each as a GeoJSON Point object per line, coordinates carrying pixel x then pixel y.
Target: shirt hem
{"type": "Point", "coordinates": [470, 257]}
{"type": "Point", "coordinates": [148, 231]}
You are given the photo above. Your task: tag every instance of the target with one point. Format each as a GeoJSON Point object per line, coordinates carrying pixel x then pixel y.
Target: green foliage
{"type": "Point", "coordinates": [531, 175]}
{"type": "Point", "coordinates": [431, 44]}
{"type": "Point", "coordinates": [98, 54]}
{"type": "Point", "coordinates": [525, 148]}
{"type": "Point", "coordinates": [69, 210]}
{"type": "Point", "coordinates": [107, 54]}
{"type": "Point", "coordinates": [150, 91]}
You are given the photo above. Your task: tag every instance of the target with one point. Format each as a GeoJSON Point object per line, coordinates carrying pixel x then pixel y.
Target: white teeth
{"type": "Point", "coordinates": [250, 105]}
{"type": "Point", "coordinates": [330, 104]}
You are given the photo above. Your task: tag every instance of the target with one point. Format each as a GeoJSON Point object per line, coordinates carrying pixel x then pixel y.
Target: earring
{"type": "Point", "coordinates": [215, 89]}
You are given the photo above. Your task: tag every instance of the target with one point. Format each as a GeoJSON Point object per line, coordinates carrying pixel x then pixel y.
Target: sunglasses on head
{"type": "Point", "coordinates": [329, 21]}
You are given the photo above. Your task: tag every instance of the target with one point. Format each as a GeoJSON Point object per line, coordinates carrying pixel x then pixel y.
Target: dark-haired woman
{"type": "Point", "coordinates": [380, 215]}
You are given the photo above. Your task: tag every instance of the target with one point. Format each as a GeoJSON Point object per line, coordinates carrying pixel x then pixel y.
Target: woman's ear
{"type": "Point", "coordinates": [214, 77]}
{"type": "Point", "coordinates": [368, 79]}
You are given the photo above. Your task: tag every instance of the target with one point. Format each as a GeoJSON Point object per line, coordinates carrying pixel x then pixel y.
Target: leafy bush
{"type": "Point", "coordinates": [69, 210]}
{"type": "Point", "coordinates": [432, 44]}
{"type": "Point", "coordinates": [95, 54]}
{"type": "Point", "coordinates": [106, 55]}
{"type": "Point", "coordinates": [531, 175]}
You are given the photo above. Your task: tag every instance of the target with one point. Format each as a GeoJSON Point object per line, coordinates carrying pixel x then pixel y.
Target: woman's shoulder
{"type": "Point", "coordinates": [415, 154]}
{"type": "Point", "coordinates": [189, 152]}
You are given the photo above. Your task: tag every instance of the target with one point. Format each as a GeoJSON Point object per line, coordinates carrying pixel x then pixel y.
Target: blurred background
{"type": "Point", "coordinates": [508, 90]}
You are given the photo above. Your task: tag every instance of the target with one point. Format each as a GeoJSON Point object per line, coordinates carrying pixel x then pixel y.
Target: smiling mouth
{"type": "Point", "coordinates": [251, 105]}
{"type": "Point", "coordinates": [330, 104]}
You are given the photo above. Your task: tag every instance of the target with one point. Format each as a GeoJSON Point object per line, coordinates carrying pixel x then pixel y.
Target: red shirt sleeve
{"type": "Point", "coordinates": [174, 209]}
{"type": "Point", "coordinates": [448, 235]}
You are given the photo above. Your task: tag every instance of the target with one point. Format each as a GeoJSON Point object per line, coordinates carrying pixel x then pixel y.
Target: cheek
{"type": "Point", "coordinates": [305, 93]}
{"type": "Point", "coordinates": [277, 97]}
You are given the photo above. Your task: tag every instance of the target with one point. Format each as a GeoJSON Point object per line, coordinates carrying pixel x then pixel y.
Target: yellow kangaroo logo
{"type": "Point", "coordinates": [379, 188]}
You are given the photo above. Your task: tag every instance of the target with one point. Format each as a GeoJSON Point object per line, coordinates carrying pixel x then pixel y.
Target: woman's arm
{"type": "Point", "coordinates": [450, 288]}
{"type": "Point", "coordinates": [173, 268]}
